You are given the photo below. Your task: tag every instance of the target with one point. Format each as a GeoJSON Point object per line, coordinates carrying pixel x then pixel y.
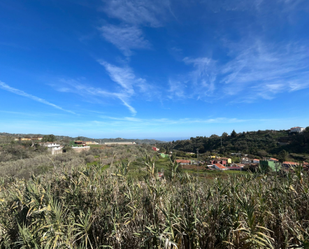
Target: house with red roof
{"type": "Point", "coordinates": [183, 162]}
{"type": "Point", "coordinates": [155, 148]}
{"type": "Point", "coordinates": [289, 164]}
{"type": "Point", "coordinates": [241, 165]}
{"type": "Point", "coordinates": [219, 166]}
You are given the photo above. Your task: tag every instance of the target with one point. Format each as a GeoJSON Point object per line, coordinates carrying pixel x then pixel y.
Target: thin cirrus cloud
{"type": "Point", "coordinates": [125, 38]}
{"type": "Point", "coordinates": [197, 83]}
{"type": "Point", "coordinates": [123, 76]}
{"type": "Point", "coordinates": [133, 14]}
{"type": "Point", "coordinates": [265, 69]}
{"type": "Point", "coordinates": [177, 89]}
{"type": "Point", "coordinates": [128, 81]}
{"type": "Point", "coordinates": [203, 76]}
{"type": "Point", "coordinates": [89, 92]}
{"type": "Point", "coordinates": [8, 88]}
{"type": "Point", "coordinates": [127, 86]}
{"type": "Point", "coordinates": [138, 12]}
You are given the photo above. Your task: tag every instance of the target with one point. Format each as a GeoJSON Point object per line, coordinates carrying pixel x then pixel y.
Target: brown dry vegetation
{"type": "Point", "coordinates": [86, 206]}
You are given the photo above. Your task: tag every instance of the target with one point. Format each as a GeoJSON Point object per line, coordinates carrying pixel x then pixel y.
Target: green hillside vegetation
{"type": "Point", "coordinates": [257, 144]}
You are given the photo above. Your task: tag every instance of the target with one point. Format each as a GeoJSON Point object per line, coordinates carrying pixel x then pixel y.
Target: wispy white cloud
{"type": "Point", "coordinates": [138, 12]}
{"type": "Point", "coordinates": [134, 14]}
{"type": "Point", "coordinates": [125, 38]}
{"type": "Point", "coordinates": [177, 89]}
{"type": "Point", "coordinates": [126, 78]}
{"type": "Point", "coordinates": [122, 98]}
{"type": "Point", "coordinates": [255, 70]}
{"type": "Point", "coordinates": [128, 85]}
{"type": "Point", "coordinates": [123, 76]}
{"type": "Point", "coordinates": [198, 83]}
{"type": "Point", "coordinates": [24, 94]}
{"type": "Point", "coordinates": [265, 70]}
{"type": "Point", "coordinates": [236, 5]}
{"type": "Point", "coordinates": [89, 92]}
{"type": "Point", "coordinates": [203, 76]}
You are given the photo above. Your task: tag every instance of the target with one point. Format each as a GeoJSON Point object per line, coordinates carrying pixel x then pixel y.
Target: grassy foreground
{"type": "Point", "coordinates": [88, 206]}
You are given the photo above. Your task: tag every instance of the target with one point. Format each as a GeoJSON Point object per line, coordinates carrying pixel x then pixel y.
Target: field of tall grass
{"type": "Point", "coordinates": [89, 206]}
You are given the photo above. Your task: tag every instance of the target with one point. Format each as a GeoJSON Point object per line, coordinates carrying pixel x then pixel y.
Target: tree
{"type": "Point", "coordinates": [282, 156]}
{"type": "Point", "coordinates": [224, 134]}
{"type": "Point", "coordinates": [233, 134]}
{"type": "Point", "coordinates": [49, 138]}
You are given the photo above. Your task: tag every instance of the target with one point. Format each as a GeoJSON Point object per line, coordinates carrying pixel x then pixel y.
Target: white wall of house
{"type": "Point", "coordinates": [297, 129]}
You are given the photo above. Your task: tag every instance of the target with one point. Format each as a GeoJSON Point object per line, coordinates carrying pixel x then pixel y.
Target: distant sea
{"type": "Point", "coordinates": [170, 139]}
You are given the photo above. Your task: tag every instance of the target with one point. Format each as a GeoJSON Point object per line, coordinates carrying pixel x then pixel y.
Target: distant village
{"type": "Point", "coordinates": [78, 146]}
{"type": "Point", "coordinates": [213, 162]}
{"type": "Point", "coordinates": [225, 163]}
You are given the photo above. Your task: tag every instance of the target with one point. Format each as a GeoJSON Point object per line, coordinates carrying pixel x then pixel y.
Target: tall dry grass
{"type": "Point", "coordinates": [88, 207]}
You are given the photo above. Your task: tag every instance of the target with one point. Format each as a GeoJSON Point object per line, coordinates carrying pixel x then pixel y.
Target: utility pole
{"type": "Point", "coordinates": [197, 153]}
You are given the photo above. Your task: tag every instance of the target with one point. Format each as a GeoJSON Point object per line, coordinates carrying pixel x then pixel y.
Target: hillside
{"type": "Point", "coordinates": [7, 137]}
{"type": "Point", "coordinates": [257, 143]}
{"type": "Point", "coordinates": [103, 204]}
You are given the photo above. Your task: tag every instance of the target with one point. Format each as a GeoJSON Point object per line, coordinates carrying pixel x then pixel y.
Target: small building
{"type": "Point", "coordinates": [183, 162]}
{"type": "Point", "coordinates": [80, 149]}
{"type": "Point", "coordinates": [155, 148]}
{"type": "Point", "coordinates": [119, 143]}
{"type": "Point", "coordinates": [219, 166]}
{"type": "Point", "coordinates": [297, 129]}
{"type": "Point", "coordinates": [290, 164]}
{"type": "Point", "coordinates": [36, 138]}
{"type": "Point", "coordinates": [245, 160]}
{"type": "Point", "coordinates": [53, 148]}
{"type": "Point", "coordinates": [81, 143]}
{"type": "Point", "coordinates": [163, 155]}
{"type": "Point", "coordinates": [241, 165]}
{"type": "Point", "coordinates": [270, 165]}
{"type": "Point", "coordinates": [227, 159]}
{"type": "Point", "coordinates": [256, 161]}
{"type": "Point", "coordinates": [90, 142]}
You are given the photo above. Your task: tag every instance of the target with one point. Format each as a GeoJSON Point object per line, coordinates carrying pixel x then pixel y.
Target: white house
{"type": "Point", "coordinates": [54, 148]}
{"type": "Point", "coordinates": [297, 129]}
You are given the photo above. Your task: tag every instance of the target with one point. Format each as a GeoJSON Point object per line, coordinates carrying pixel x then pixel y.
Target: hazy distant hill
{"type": "Point", "coordinates": [67, 138]}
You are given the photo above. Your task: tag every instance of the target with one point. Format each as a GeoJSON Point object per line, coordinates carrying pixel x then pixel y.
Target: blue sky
{"type": "Point", "coordinates": [153, 69]}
